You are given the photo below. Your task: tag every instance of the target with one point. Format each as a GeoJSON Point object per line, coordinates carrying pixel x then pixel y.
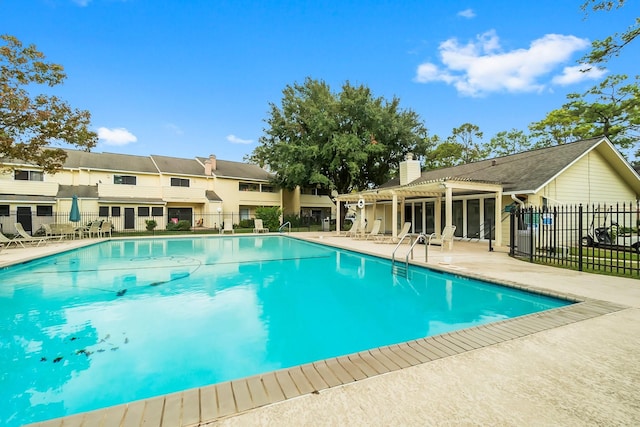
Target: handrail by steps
{"type": "Point", "coordinates": [282, 226]}
{"type": "Point", "coordinates": [410, 252]}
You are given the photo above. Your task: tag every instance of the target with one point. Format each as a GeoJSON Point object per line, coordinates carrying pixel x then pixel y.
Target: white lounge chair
{"type": "Point", "coordinates": [259, 226]}
{"type": "Point", "coordinates": [8, 242]}
{"type": "Point", "coordinates": [94, 229]}
{"type": "Point", "coordinates": [52, 231]}
{"type": "Point", "coordinates": [228, 227]}
{"type": "Point", "coordinates": [25, 237]}
{"type": "Point", "coordinates": [105, 228]}
{"type": "Point", "coordinates": [390, 239]}
{"type": "Point", "coordinates": [354, 230]}
{"type": "Point", "coordinates": [444, 238]}
{"type": "Point", "coordinates": [375, 231]}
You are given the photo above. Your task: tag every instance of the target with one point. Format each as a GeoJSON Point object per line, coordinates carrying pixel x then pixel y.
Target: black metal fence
{"type": "Point", "coordinates": [604, 238]}
{"type": "Point", "coordinates": [130, 222]}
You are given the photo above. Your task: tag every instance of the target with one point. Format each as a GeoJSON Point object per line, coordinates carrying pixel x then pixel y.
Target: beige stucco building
{"type": "Point", "coordinates": [130, 189]}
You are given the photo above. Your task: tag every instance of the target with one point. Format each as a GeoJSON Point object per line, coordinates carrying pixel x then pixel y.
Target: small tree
{"type": "Point", "coordinates": [30, 124]}
{"type": "Point", "coordinates": [270, 217]}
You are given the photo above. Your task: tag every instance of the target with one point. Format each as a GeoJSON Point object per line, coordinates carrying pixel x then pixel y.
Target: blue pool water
{"type": "Point", "coordinates": [125, 320]}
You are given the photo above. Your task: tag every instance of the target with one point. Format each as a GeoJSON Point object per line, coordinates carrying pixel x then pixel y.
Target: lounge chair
{"type": "Point", "coordinates": [390, 239]}
{"type": "Point", "coordinates": [228, 227]}
{"type": "Point", "coordinates": [354, 230]}
{"type": "Point", "coordinates": [25, 237]}
{"type": "Point", "coordinates": [8, 242]}
{"type": "Point", "coordinates": [52, 231]}
{"type": "Point", "coordinates": [94, 229]}
{"type": "Point", "coordinates": [259, 227]}
{"type": "Point", "coordinates": [375, 231]}
{"type": "Point", "coordinates": [442, 239]}
{"type": "Point", "coordinates": [105, 228]}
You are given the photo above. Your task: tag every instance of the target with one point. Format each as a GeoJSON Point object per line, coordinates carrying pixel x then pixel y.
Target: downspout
{"type": "Point", "coordinates": [518, 201]}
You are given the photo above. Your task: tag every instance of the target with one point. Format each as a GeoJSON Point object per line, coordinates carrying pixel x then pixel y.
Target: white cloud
{"type": "Point", "coordinates": [577, 74]}
{"type": "Point", "coordinates": [116, 136]}
{"type": "Point", "coordinates": [235, 140]}
{"type": "Point", "coordinates": [481, 66]}
{"type": "Point", "coordinates": [467, 13]}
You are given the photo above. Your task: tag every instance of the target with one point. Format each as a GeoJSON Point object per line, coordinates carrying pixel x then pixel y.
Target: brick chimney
{"type": "Point", "coordinates": [210, 165]}
{"type": "Point", "coordinates": [409, 169]}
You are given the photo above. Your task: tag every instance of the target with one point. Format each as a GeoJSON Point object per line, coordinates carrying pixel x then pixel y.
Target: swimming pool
{"type": "Point", "coordinates": [125, 320]}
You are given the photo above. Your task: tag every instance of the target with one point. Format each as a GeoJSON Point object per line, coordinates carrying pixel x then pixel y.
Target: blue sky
{"type": "Point", "coordinates": [195, 77]}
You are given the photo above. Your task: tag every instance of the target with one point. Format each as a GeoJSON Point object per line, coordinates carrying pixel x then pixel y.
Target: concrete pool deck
{"type": "Point", "coordinates": [577, 366]}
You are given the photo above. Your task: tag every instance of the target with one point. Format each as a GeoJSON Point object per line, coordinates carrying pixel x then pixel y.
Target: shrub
{"type": "Point", "coordinates": [182, 225]}
{"type": "Point", "coordinates": [270, 217]}
{"type": "Point", "coordinates": [151, 224]}
{"type": "Point", "coordinates": [246, 223]}
{"type": "Point", "coordinates": [293, 219]}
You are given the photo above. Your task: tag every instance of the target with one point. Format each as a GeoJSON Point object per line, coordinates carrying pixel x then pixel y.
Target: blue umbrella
{"type": "Point", "coordinates": [74, 215]}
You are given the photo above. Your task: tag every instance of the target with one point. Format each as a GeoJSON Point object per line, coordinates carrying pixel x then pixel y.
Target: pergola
{"type": "Point", "coordinates": [442, 190]}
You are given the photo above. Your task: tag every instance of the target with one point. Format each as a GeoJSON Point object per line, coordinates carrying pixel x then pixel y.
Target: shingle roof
{"type": "Point", "coordinates": [108, 161]}
{"type": "Point", "coordinates": [212, 196]}
{"type": "Point", "coordinates": [82, 191]}
{"type": "Point", "coordinates": [178, 166]}
{"type": "Point", "coordinates": [165, 164]}
{"type": "Point", "coordinates": [518, 172]}
{"type": "Point", "coordinates": [229, 169]}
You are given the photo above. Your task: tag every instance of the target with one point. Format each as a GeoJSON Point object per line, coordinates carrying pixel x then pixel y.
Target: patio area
{"type": "Point", "coordinates": [583, 371]}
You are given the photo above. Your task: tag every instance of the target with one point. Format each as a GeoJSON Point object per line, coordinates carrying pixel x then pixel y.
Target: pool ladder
{"type": "Point", "coordinates": [284, 225]}
{"type": "Point", "coordinates": [402, 269]}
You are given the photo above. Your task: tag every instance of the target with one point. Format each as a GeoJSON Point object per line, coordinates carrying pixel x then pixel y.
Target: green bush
{"type": "Point", "coordinates": [246, 223]}
{"type": "Point", "coordinates": [270, 217]}
{"type": "Point", "coordinates": [182, 225]}
{"type": "Point", "coordinates": [151, 224]}
{"type": "Point", "coordinates": [293, 219]}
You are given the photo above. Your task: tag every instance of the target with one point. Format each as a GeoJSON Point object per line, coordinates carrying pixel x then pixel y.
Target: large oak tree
{"type": "Point", "coordinates": [31, 125]}
{"type": "Point", "coordinates": [344, 141]}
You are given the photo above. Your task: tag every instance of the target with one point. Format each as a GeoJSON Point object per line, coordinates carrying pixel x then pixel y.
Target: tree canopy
{"type": "Point", "coordinates": [609, 47]}
{"type": "Point", "coordinates": [31, 125]}
{"type": "Point", "coordinates": [344, 141]}
{"type": "Point", "coordinates": [464, 145]}
{"type": "Point", "coordinates": [611, 108]}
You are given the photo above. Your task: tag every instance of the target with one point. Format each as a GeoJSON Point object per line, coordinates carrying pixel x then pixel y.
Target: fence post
{"type": "Point", "coordinates": [531, 234]}
{"type": "Point", "coordinates": [580, 237]}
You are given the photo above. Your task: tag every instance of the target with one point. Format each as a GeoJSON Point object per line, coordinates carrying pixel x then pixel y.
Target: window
{"type": "Point", "coordinates": [268, 189]}
{"type": "Point", "coordinates": [244, 213]}
{"type": "Point", "coordinates": [29, 175]}
{"type": "Point", "coordinates": [124, 179]}
{"type": "Point", "coordinates": [4, 210]}
{"type": "Point", "coordinates": [115, 210]}
{"type": "Point", "coordinates": [248, 187]}
{"type": "Point", "coordinates": [103, 211]}
{"type": "Point", "coordinates": [44, 210]}
{"type": "Point", "coordinates": [143, 211]}
{"type": "Point", "coordinates": [157, 211]}
{"type": "Point", "coordinates": [179, 182]}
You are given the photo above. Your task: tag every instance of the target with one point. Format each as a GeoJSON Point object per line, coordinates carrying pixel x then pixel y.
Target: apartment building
{"type": "Point", "coordinates": [130, 189]}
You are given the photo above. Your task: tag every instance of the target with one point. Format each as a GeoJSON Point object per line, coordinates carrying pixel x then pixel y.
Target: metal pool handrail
{"type": "Point", "coordinates": [283, 225]}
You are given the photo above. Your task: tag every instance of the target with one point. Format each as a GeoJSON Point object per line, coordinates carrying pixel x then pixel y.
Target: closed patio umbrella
{"type": "Point", "coordinates": [74, 215]}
